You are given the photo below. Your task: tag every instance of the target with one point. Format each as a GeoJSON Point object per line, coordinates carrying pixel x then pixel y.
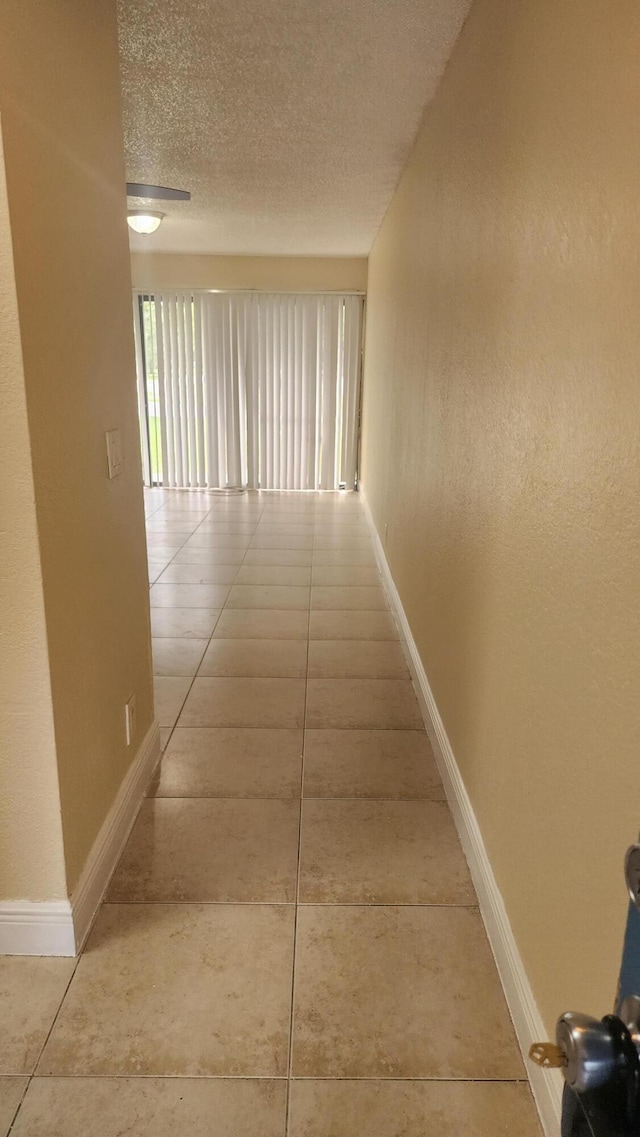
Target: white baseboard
{"type": "Point", "coordinates": [60, 927]}
{"type": "Point", "coordinates": [36, 928]}
{"type": "Point", "coordinates": [111, 839]}
{"type": "Point", "coordinates": [545, 1084]}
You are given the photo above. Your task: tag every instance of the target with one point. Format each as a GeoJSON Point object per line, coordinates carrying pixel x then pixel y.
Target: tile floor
{"type": "Point", "coordinates": [291, 942]}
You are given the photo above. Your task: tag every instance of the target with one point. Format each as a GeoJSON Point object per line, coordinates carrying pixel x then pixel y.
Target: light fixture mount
{"type": "Point", "coordinates": [162, 193]}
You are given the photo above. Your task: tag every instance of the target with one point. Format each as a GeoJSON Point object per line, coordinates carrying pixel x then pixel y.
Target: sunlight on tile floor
{"type": "Point", "coordinates": [291, 943]}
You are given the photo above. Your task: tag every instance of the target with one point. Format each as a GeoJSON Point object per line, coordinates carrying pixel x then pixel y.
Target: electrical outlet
{"type": "Point", "coordinates": [130, 719]}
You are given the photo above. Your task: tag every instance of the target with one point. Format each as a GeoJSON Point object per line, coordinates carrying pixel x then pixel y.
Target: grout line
{"type": "Point", "coordinates": [297, 890]}
{"type": "Point", "coordinates": [196, 902]}
{"type": "Point", "coordinates": [55, 1019]}
{"type": "Point", "coordinates": [395, 1078]}
{"type": "Point", "coordinates": [390, 729]}
{"type": "Point", "coordinates": [23, 1095]}
{"type": "Point", "coordinates": [294, 797]}
{"type": "Point", "coordinates": [220, 726]}
{"type": "Point", "coordinates": [273, 1078]}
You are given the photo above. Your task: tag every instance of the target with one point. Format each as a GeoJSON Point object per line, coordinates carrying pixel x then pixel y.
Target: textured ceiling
{"type": "Point", "coordinates": [289, 120]}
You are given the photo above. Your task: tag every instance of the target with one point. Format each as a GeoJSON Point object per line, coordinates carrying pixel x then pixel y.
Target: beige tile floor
{"type": "Point", "coordinates": [291, 943]}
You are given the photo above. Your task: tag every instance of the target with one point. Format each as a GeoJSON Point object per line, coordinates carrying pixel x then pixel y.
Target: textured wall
{"type": "Point", "coordinates": [60, 102]}
{"type": "Point", "coordinates": [31, 855]}
{"type": "Point", "coordinates": [282, 274]}
{"type": "Point", "coordinates": [501, 428]}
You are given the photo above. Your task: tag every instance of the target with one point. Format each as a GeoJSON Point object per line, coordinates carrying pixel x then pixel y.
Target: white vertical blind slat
{"type": "Point", "coordinates": [282, 406]}
{"type": "Point", "coordinates": [339, 395]}
{"type": "Point", "coordinates": [251, 392]}
{"type": "Point", "coordinates": [296, 479]}
{"type": "Point", "coordinates": [240, 348]}
{"type": "Point", "coordinates": [181, 386]}
{"type": "Point", "coordinates": [220, 475]}
{"type": "Point", "coordinates": [329, 364]}
{"type": "Point", "coordinates": [353, 332]}
{"type": "Point", "coordinates": [164, 391]}
{"type": "Point", "coordinates": [236, 477]}
{"type": "Point", "coordinates": [344, 395]}
{"type": "Point", "coordinates": [270, 447]}
{"type": "Point", "coordinates": [277, 396]}
{"type": "Point", "coordinates": [313, 387]}
{"type": "Point", "coordinates": [209, 390]}
{"type": "Point", "coordinates": [189, 348]}
{"type": "Point", "coordinates": [262, 409]}
{"type": "Point", "coordinates": [141, 390]}
{"type": "Point", "coordinates": [198, 385]}
{"type": "Point", "coordinates": [225, 422]}
{"type": "Point", "coordinates": [287, 307]}
{"type": "Point", "coordinates": [172, 305]}
{"type": "Point", "coordinates": [168, 357]}
{"type": "Point", "coordinates": [289, 331]}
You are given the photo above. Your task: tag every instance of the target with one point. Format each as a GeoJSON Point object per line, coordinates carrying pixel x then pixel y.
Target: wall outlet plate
{"type": "Point", "coordinates": [130, 719]}
{"type": "Point", "coordinates": [114, 453]}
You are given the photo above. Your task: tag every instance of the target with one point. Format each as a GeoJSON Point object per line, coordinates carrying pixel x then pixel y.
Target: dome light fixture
{"type": "Point", "coordinates": [144, 220]}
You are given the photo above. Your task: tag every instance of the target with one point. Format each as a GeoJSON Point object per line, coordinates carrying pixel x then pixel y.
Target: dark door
{"type": "Point", "coordinates": [601, 1058]}
{"type": "Point", "coordinates": [608, 1111]}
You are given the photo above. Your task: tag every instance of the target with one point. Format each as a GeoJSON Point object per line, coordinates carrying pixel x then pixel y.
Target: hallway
{"type": "Point", "coordinates": [254, 879]}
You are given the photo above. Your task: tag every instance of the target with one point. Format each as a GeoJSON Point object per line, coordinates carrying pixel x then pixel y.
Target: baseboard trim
{"type": "Point", "coordinates": [108, 846]}
{"type": "Point", "coordinates": [36, 928]}
{"type": "Point", "coordinates": [60, 927]}
{"type": "Point", "coordinates": [545, 1084]}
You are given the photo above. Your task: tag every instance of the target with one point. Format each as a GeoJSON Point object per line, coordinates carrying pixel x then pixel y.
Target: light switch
{"type": "Point", "coordinates": [114, 453]}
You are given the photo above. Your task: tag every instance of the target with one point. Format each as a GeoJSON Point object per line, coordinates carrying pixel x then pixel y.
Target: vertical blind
{"type": "Point", "coordinates": [245, 389]}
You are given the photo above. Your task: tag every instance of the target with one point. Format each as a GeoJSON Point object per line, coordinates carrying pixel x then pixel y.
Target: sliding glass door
{"type": "Point", "coordinates": [247, 389]}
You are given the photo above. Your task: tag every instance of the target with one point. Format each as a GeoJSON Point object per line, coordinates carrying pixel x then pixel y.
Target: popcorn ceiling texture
{"type": "Point", "coordinates": [290, 123]}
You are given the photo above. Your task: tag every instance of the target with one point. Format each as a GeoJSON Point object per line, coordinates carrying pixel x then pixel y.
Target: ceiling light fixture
{"type": "Point", "coordinates": [144, 220]}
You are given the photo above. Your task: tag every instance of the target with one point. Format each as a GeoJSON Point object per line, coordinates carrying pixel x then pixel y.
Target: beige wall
{"type": "Point", "coordinates": [31, 854]}
{"type": "Point", "coordinates": [281, 274]}
{"type": "Point", "coordinates": [60, 103]}
{"type": "Point", "coordinates": [501, 427]}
